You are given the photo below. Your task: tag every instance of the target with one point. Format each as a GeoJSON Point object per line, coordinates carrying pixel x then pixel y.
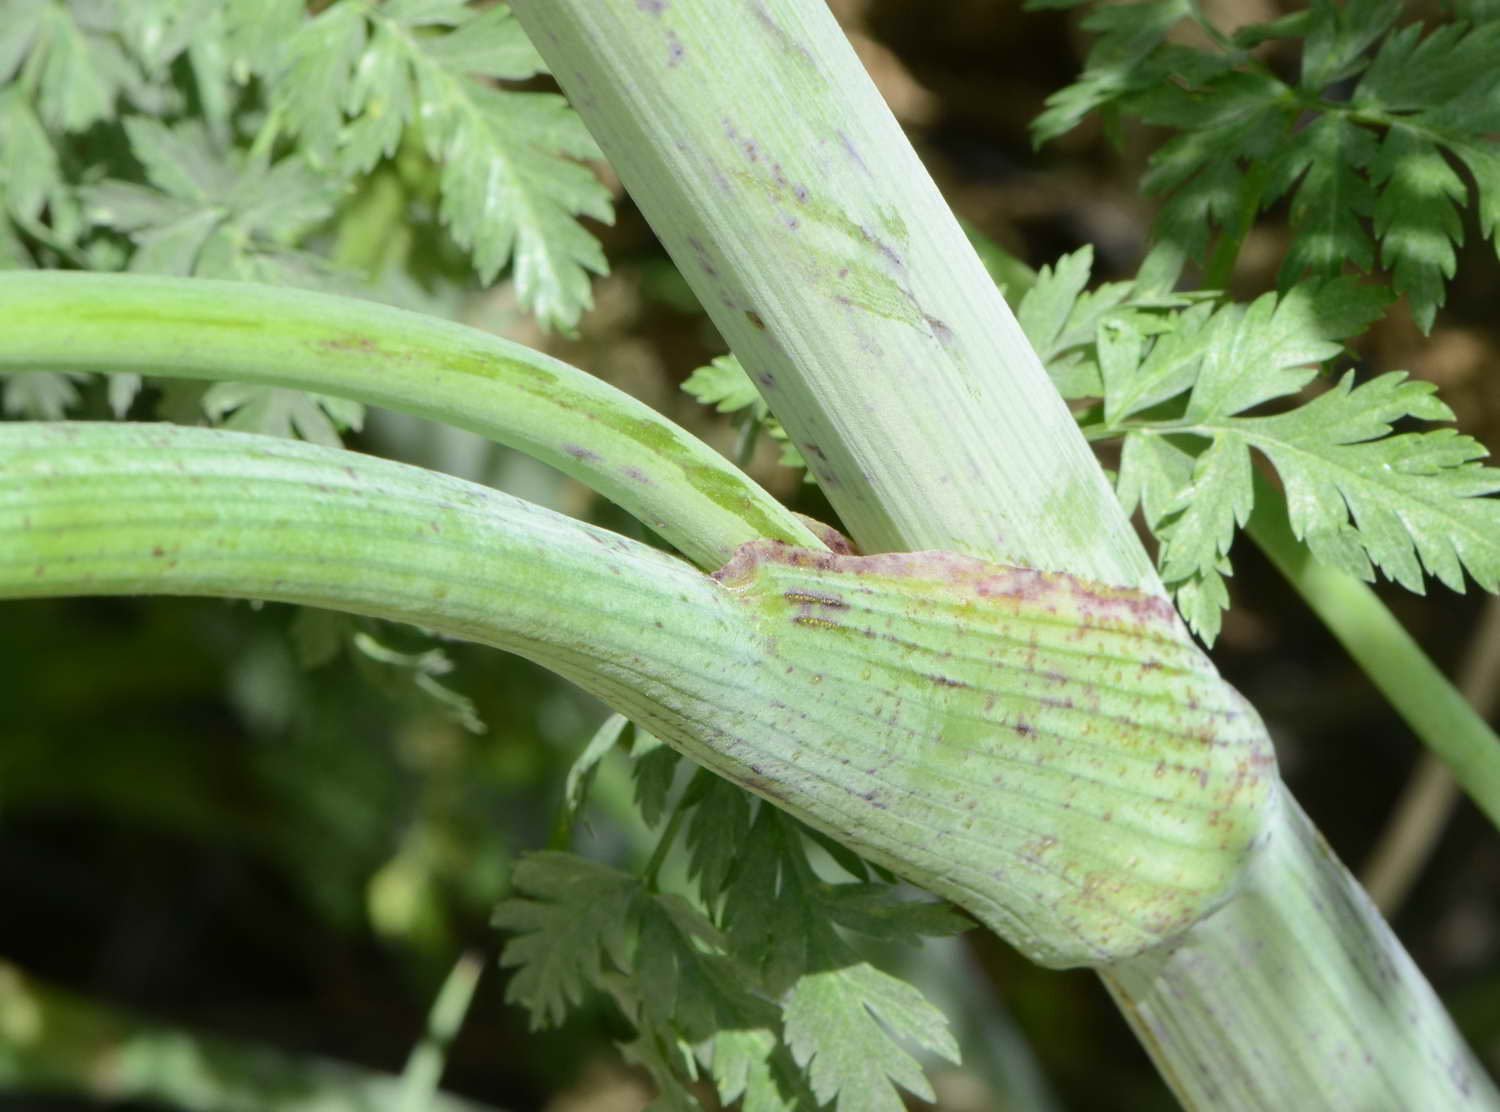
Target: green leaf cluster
{"type": "Point", "coordinates": [254, 141]}
{"type": "Point", "coordinates": [1365, 143]}
{"type": "Point", "coordinates": [747, 980]}
{"type": "Point", "coordinates": [1190, 386]}
{"type": "Point", "coordinates": [233, 139]}
{"type": "Point", "coordinates": [353, 80]}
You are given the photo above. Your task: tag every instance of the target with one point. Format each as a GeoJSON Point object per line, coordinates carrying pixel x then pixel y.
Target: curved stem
{"type": "Point", "coordinates": [92, 509]}
{"type": "Point", "coordinates": [936, 713]}
{"type": "Point", "coordinates": [196, 328]}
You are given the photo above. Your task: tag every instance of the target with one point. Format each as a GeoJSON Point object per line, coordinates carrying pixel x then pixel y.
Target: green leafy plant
{"type": "Point", "coordinates": [1047, 749]}
{"type": "Point", "coordinates": [1360, 142]}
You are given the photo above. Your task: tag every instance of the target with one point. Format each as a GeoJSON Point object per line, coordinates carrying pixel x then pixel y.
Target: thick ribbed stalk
{"type": "Point", "coordinates": [767, 163]}
{"type": "Point", "coordinates": [1344, 992]}
{"type": "Point", "coordinates": [1055, 756]}
{"type": "Point", "coordinates": [194, 328]}
{"type": "Point", "coordinates": [762, 155]}
{"type": "Point", "coordinates": [96, 509]}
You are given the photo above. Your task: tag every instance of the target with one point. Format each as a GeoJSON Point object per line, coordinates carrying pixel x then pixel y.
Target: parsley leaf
{"type": "Point", "coordinates": [273, 411]}
{"type": "Point", "coordinates": [654, 765]}
{"type": "Point", "coordinates": [840, 1024]}
{"type": "Point", "coordinates": [210, 211]}
{"type": "Point", "coordinates": [41, 395]}
{"type": "Point", "coordinates": [571, 921]}
{"type": "Point", "coordinates": [1368, 173]}
{"type": "Point", "coordinates": [1413, 501]}
{"type": "Point", "coordinates": [352, 80]}
{"type": "Point", "coordinates": [1176, 384]}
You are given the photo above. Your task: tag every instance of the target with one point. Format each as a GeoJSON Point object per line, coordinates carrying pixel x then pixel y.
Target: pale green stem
{"type": "Point", "coordinates": [194, 328]}
{"type": "Point", "coordinates": [936, 713]}
{"type": "Point", "coordinates": [772, 171]}
{"type": "Point", "coordinates": [762, 155]}
{"type": "Point", "coordinates": [424, 1066]}
{"type": "Point", "coordinates": [1355, 1025]}
{"type": "Point", "coordinates": [94, 509]}
{"type": "Point", "coordinates": [1395, 663]}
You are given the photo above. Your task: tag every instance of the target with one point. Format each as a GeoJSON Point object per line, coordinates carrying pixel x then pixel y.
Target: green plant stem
{"type": "Point", "coordinates": [1431, 794]}
{"type": "Point", "coordinates": [771, 169]}
{"type": "Point", "coordinates": [194, 328]}
{"type": "Point", "coordinates": [424, 1066]}
{"type": "Point", "coordinates": [764, 158]}
{"type": "Point", "coordinates": [90, 509]}
{"type": "Point", "coordinates": [1395, 663]}
{"type": "Point", "coordinates": [854, 692]}
{"type": "Point", "coordinates": [1356, 1025]}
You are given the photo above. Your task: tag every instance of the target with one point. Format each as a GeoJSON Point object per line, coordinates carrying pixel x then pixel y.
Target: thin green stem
{"type": "Point", "coordinates": [664, 843]}
{"type": "Point", "coordinates": [194, 328]}
{"type": "Point", "coordinates": [424, 1066]}
{"type": "Point", "coordinates": [1431, 794]}
{"type": "Point", "coordinates": [89, 509]}
{"type": "Point", "coordinates": [1232, 235]}
{"type": "Point", "coordinates": [744, 450]}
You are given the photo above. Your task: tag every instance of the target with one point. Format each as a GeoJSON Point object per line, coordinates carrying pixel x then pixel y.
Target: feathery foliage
{"type": "Point", "coordinates": [249, 141]}
{"type": "Point", "coordinates": [750, 982]}
{"type": "Point", "coordinates": [1183, 387]}
{"type": "Point", "coordinates": [227, 140]}
{"type": "Point", "coordinates": [1366, 142]}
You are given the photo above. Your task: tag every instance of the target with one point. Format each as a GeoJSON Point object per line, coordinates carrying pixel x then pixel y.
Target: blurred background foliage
{"type": "Point", "coordinates": [235, 851]}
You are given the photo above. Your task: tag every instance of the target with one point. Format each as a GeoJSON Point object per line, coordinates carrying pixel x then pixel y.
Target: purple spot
{"type": "Point", "coordinates": [580, 453]}
{"type": "Point", "coordinates": [701, 253]}
{"type": "Point", "coordinates": [675, 50]}
{"type": "Point", "coordinates": [800, 192]}
{"type": "Point", "coordinates": [851, 152]}
{"type": "Point", "coordinates": [654, 7]}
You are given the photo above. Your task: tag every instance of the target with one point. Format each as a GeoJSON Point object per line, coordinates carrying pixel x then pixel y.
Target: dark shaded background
{"type": "Point", "coordinates": [195, 829]}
